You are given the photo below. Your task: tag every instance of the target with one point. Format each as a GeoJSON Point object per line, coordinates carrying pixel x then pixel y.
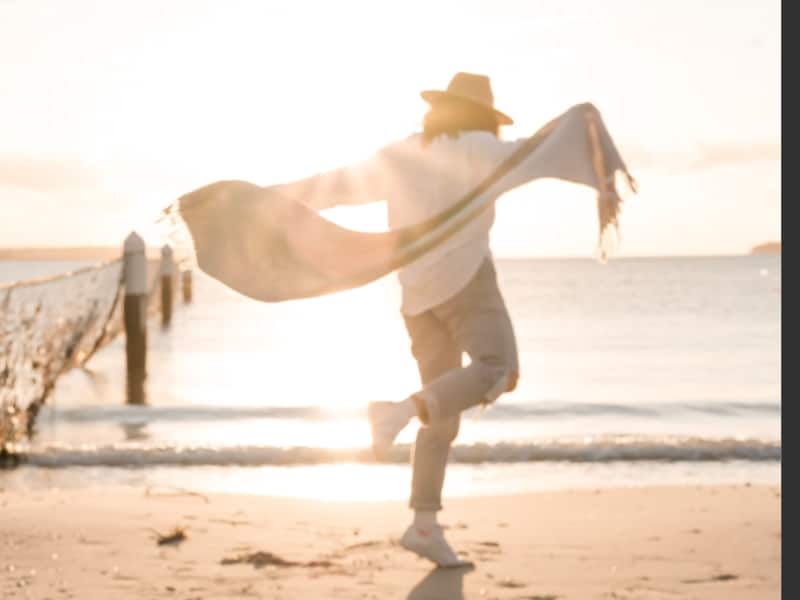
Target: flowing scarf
{"type": "Point", "coordinates": [271, 248]}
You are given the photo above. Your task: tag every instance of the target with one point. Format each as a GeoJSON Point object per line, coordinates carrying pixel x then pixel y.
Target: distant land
{"type": "Point", "coordinates": [767, 248]}
{"type": "Point", "coordinates": [70, 253]}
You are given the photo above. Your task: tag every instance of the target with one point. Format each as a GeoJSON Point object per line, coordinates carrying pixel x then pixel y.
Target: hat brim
{"type": "Point", "coordinates": [431, 96]}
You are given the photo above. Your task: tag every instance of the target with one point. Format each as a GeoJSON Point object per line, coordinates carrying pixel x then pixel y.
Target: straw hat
{"type": "Point", "coordinates": [473, 88]}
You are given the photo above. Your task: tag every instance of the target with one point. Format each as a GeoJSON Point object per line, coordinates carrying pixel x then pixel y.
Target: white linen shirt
{"type": "Point", "coordinates": [417, 182]}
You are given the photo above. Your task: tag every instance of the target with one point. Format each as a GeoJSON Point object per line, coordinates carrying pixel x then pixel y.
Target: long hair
{"type": "Point", "coordinates": [451, 116]}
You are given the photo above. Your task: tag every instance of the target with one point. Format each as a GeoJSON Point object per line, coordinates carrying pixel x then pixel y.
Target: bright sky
{"type": "Point", "coordinates": [110, 110]}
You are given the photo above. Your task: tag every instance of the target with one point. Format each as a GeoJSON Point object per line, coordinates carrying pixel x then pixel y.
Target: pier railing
{"type": "Point", "coordinates": [51, 325]}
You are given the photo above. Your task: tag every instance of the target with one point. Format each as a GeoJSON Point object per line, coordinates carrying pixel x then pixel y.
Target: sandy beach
{"type": "Point", "coordinates": [715, 542]}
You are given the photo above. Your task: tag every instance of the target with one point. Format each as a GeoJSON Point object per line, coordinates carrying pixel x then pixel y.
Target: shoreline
{"type": "Point", "coordinates": [714, 541]}
{"type": "Point", "coordinates": [381, 482]}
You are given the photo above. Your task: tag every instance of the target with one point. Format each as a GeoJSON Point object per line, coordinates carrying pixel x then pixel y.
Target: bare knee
{"type": "Point", "coordinates": [501, 377]}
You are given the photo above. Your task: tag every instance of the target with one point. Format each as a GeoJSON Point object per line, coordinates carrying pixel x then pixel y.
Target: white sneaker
{"type": "Point", "coordinates": [430, 544]}
{"type": "Point", "coordinates": [386, 419]}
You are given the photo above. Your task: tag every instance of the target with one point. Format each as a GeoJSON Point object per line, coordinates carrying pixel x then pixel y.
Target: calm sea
{"type": "Point", "coordinates": [640, 371]}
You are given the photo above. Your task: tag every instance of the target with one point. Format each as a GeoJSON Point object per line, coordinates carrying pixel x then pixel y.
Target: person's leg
{"type": "Point", "coordinates": [436, 353]}
{"type": "Point", "coordinates": [475, 320]}
{"type": "Point", "coordinates": [478, 322]}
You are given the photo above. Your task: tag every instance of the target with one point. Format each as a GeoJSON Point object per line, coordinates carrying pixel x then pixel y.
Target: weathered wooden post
{"type": "Point", "coordinates": [186, 279]}
{"type": "Point", "coordinates": [135, 316]}
{"type": "Point", "coordinates": [167, 275]}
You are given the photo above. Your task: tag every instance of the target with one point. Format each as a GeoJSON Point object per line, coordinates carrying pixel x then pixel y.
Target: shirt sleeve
{"type": "Point", "coordinates": [359, 183]}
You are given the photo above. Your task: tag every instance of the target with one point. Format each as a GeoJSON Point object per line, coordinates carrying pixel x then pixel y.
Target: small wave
{"type": "Point", "coordinates": [601, 449]}
{"type": "Point", "coordinates": [653, 409]}
{"type": "Point", "coordinates": [177, 413]}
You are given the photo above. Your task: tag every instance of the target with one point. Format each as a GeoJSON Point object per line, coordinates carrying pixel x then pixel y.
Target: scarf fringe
{"type": "Point", "coordinates": [609, 201]}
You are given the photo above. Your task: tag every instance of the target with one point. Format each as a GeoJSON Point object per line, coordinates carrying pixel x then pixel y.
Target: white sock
{"type": "Point", "coordinates": [409, 407]}
{"type": "Point", "coordinates": [425, 519]}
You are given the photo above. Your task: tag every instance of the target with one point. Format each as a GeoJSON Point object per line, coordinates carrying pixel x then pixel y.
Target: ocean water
{"type": "Point", "coordinates": [641, 371]}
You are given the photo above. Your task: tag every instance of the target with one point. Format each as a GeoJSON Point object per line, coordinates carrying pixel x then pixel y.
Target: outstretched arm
{"type": "Point", "coordinates": [359, 183]}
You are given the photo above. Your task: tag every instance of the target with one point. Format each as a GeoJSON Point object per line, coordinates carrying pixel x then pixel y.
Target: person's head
{"type": "Point", "coordinates": [466, 105]}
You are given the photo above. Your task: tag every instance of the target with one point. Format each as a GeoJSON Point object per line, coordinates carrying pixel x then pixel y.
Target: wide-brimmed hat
{"type": "Point", "coordinates": [476, 89]}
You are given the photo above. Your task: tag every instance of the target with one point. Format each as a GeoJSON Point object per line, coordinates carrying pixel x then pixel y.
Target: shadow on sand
{"type": "Point", "coordinates": [441, 584]}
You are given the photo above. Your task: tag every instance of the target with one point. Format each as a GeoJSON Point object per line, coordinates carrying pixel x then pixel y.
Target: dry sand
{"type": "Point", "coordinates": [647, 543]}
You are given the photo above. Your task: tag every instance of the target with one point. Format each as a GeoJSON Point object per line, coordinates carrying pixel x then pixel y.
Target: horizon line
{"type": "Point", "coordinates": [88, 250]}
